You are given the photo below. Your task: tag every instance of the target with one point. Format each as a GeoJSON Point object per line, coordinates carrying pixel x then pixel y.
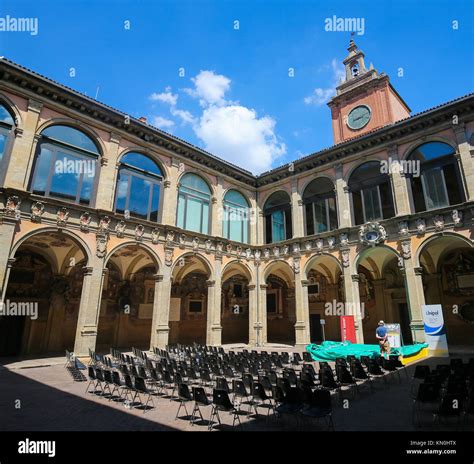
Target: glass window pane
{"type": "Point", "coordinates": [141, 162]}
{"type": "Point", "coordinates": [268, 229]}
{"type": "Point", "coordinates": [245, 228]}
{"type": "Point", "coordinates": [195, 182]}
{"type": "Point", "coordinates": [155, 203]}
{"type": "Point", "coordinates": [235, 225]}
{"type": "Point", "coordinates": [332, 213]}
{"type": "Point", "coordinates": [122, 189]}
{"type": "Point", "coordinates": [357, 207]}
{"type": "Point", "coordinates": [87, 187]}
{"type": "Point", "coordinates": [193, 214]}
{"type": "Point", "coordinates": [371, 204]}
{"type": "Point", "coordinates": [205, 218]}
{"type": "Point", "coordinates": [453, 184]}
{"type": "Point", "coordinates": [3, 143]}
{"type": "Point", "coordinates": [72, 137]}
{"type": "Point", "coordinates": [320, 214]}
{"type": "Point", "coordinates": [42, 171]}
{"type": "Point", "coordinates": [5, 116]}
{"type": "Point", "coordinates": [66, 176]}
{"type": "Point", "coordinates": [181, 209]}
{"type": "Point", "coordinates": [139, 197]}
{"type": "Point", "coordinates": [236, 198]}
{"type": "Point", "coordinates": [309, 219]}
{"type": "Point", "coordinates": [278, 226]}
{"type": "Point", "coordinates": [388, 209]}
{"type": "Point", "coordinates": [433, 186]}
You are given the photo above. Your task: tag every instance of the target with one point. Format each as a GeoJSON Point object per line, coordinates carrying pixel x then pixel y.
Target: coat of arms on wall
{"type": "Point", "coordinates": [372, 234]}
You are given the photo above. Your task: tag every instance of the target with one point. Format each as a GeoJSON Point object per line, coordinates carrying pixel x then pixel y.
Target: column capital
{"type": "Point", "coordinates": [251, 287]}
{"type": "Point", "coordinates": [355, 277]}
{"type": "Point", "coordinates": [210, 283]}
{"type": "Point", "coordinates": [158, 277]}
{"type": "Point", "coordinates": [263, 286]}
{"type": "Point", "coordinates": [418, 270]}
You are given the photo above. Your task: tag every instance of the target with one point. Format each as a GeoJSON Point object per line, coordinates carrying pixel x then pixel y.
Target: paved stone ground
{"type": "Point", "coordinates": [50, 400]}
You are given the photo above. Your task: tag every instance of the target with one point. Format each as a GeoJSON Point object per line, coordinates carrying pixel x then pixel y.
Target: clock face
{"type": "Point", "coordinates": [359, 117]}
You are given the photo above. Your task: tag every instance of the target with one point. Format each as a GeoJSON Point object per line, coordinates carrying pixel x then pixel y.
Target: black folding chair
{"type": "Point", "coordinates": [221, 402]}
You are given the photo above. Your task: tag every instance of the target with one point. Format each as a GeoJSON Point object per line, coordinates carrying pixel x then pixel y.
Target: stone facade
{"type": "Point", "coordinates": [185, 286]}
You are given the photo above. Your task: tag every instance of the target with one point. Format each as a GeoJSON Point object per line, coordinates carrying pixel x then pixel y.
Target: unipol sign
{"type": "Point", "coordinates": [435, 330]}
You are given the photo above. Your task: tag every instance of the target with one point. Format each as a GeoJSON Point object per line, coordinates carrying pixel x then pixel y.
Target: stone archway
{"type": "Point", "coordinates": [126, 307]}
{"type": "Point", "coordinates": [235, 304]}
{"type": "Point", "coordinates": [382, 292]}
{"type": "Point", "coordinates": [280, 303]}
{"type": "Point", "coordinates": [44, 291]}
{"type": "Point", "coordinates": [325, 285]}
{"type": "Point", "coordinates": [448, 279]}
{"type": "Point", "coordinates": [189, 300]}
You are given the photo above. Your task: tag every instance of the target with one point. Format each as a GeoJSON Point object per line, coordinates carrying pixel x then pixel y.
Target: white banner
{"type": "Point", "coordinates": [435, 330]}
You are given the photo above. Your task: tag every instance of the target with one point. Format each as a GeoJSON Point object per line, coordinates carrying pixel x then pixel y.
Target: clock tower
{"type": "Point", "coordinates": [365, 100]}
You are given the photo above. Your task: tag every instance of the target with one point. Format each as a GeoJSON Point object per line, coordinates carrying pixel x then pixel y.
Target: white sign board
{"type": "Point", "coordinates": [435, 330]}
{"type": "Point", "coordinates": [393, 335]}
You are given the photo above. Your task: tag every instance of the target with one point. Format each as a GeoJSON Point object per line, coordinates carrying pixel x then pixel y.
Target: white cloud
{"type": "Point", "coordinates": [165, 97]}
{"type": "Point", "coordinates": [162, 123]}
{"type": "Point", "coordinates": [321, 96]}
{"type": "Point", "coordinates": [209, 87]}
{"type": "Point", "coordinates": [185, 116]}
{"type": "Point", "coordinates": [236, 134]}
{"type": "Point", "coordinates": [227, 129]}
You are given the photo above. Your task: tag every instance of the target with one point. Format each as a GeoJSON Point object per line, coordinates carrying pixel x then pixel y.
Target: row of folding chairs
{"type": "Point", "coordinates": [107, 383]}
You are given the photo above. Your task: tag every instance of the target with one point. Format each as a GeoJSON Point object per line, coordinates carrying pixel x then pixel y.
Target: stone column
{"type": "Point", "coordinates": [160, 329]}
{"type": "Point", "coordinates": [7, 232]}
{"type": "Point", "coordinates": [302, 328]}
{"type": "Point", "coordinates": [170, 194]}
{"type": "Point", "coordinates": [252, 314]}
{"type": "Point", "coordinates": [297, 210]}
{"type": "Point", "coordinates": [261, 325]}
{"type": "Point", "coordinates": [465, 160]}
{"type": "Point", "coordinates": [253, 223]}
{"type": "Point", "coordinates": [214, 327]}
{"type": "Point", "coordinates": [415, 298]}
{"type": "Point", "coordinates": [89, 309]}
{"type": "Point", "coordinates": [217, 210]}
{"type": "Point", "coordinates": [401, 198]}
{"type": "Point", "coordinates": [107, 176]}
{"type": "Point", "coordinates": [260, 226]}
{"type": "Point", "coordinates": [351, 292]}
{"type": "Point", "coordinates": [23, 150]}
{"type": "Point", "coordinates": [342, 197]}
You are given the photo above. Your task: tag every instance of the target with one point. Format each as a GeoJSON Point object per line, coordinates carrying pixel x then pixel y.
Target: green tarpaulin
{"type": "Point", "coordinates": [329, 351]}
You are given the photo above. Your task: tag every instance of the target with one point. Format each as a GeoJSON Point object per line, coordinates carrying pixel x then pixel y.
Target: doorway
{"type": "Point", "coordinates": [316, 333]}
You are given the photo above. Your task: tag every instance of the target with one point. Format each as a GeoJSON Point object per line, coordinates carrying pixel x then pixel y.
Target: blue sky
{"type": "Point", "coordinates": [236, 98]}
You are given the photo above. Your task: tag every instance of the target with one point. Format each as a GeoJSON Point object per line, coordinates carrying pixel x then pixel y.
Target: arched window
{"type": "Point", "coordinates": [436, 182]}
{"type": "Point", "coordinates": [319, 200]}
{"type": "Point", "coordinates": [138, 187]}
{"type": "Point", "coordinates": [371, 193]}
{"type": "Point", "coordinates": [194, 198]}
{"type": "Point", "coordinates": [277, 212]}
{"type": "Point", "coordinates": [236, 221]}
{"type": "Point", "coordinates": [66, 165]}
{"type": "Point", "coordinates": [6, 125]}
